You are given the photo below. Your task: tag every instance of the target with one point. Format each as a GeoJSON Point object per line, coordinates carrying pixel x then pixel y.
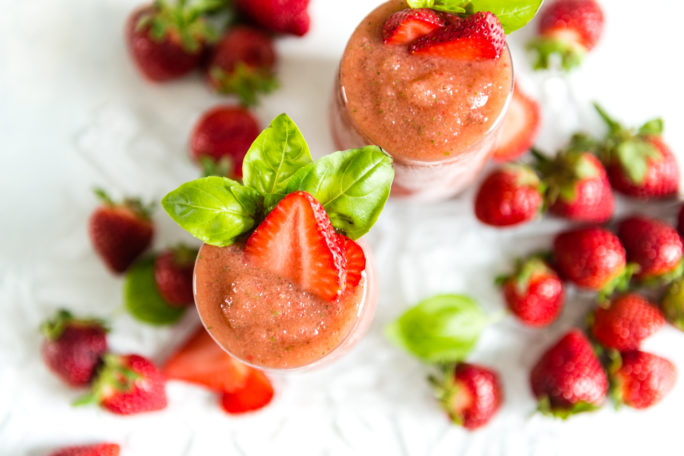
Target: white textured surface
{"type": "Point", "coordinates": [73, 113]}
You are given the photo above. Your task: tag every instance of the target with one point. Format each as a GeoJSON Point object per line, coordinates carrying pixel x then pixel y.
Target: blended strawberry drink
{"type": "Point", "coordinates": [280, 281]}
{"type": "Point", "coordinates": [429, 87]}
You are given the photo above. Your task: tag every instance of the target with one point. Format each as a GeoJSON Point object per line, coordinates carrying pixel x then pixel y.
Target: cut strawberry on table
{"type": "Point", "coordinates": [201, 361]}
{"type": "Point", "coordinates": [254, 395]}
{"type": "Point", "coordinates": [173, 270]}
{"type": "Point", "coordinates": [298, 242]}
{"type": "Point", "coordinates": [120, 232]}
{"type": "Point", "coordinates": [407, 25]}
{"type": "Point", "coordinates": [477, 37]}
{"type": "Point", "coordinates": [98, 449]}
{"type": "Point", "coordinates": [279, 16]}
{"type": "Point", "coordinates": [520, 127]}
{"type": "Point", "coordinates": [642, 379]}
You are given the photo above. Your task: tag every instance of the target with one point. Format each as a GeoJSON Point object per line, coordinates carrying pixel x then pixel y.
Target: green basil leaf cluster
{"type": "Point", "coordinates": [352, 185]}
{"type": "Point", "coordinates": [441, 329]}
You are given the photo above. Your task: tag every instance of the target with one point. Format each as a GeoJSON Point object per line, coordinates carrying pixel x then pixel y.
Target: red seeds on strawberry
{"type": "Point", "coordinates": [254, 395]}
{"type": "Point", "coordinates": [569, 378]}
{"type": "Point", "coordinates": [298, 242]}
{"type": "Point", "coordinates": [242, 63]}
{"type": "Point", "coordinates": [643, 379]}
{"type": "Point", "coordinates": [509, 196]}
{"type": "Point", "coordinates": [407, 25]}
{"type": "Point", "coordinates": [520, 127]}
{"type": "Point", "coordinates": [470, 394]}
{"type": "Point", "coordinates": [279, 16]}
{"type": "Point", "coordinates": [98, 449]}
{"type": "Point", "coordinates": [73, 347]}
{"type": "Point", "coordinates": [121, 232]}
{"type": "Point", "coordinates": [173, 270]}
{"type": "Point", "coordinates": [626, 322]}
{"type": "Point", "coordinates": [201, 361]}
{"type": "Point", "coordinates": [477, 37]}
{"type": "Point", "coordinates": [534, 293]}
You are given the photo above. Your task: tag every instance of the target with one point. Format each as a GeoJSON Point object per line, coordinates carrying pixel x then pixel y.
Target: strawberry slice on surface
{"type": "Point", "coordinates": [407, 25]}
{"type": "Point", "coordinates": [477, 37]}
{"type": "Point", "coordinates": [297, 241]}
{"type": "Point", "coordinates": [254, 395]}
{"type": "Point", "coordinates": [98, 449]}
{"type": "Point", "coordinates": [520, 127]}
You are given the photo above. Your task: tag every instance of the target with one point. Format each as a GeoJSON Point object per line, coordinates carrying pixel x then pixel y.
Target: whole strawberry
{"type": "Point", "coordinates": [569, 378]}
{"type": "Point", "coordinates": [625, 322]}
{"type": "Point", "coordinates": [221, 138]}
{"type": "Point", "coordinates": [173, 270]}
{"type": "Point", "coordinates": [592, 258]}
{"type": "Point", "coordinates": [568, 29]}
{"type": "Point", "coordinates": [578, 186]}
{"type": "Point", "coordinates": [120, 232]}
{"type": "Point", "coordinates": [279, 16]}
{"type": "Point", "coordinates": [654, 245]}
{"type": "Point", "coordinates": [639, 163]}
{"type": "Point", "coordinates": [98, 449]}
{"type": "Point", "coordinates": [470, 394]}
{"type": "Point", "coordinates": [167, 40]}
{"type": "Point", "coordinates": [72, 347]}
{"type": "Point", "coordinates": [242, 63]}
{"type": "Point", "coordinates": [128, 384]}
{"type": "Point", "coordinates": [673, 304]}
{"type": "Point", "coordinates": [509, 196]}
{"type": "Point", "coordinates": [534, 292]}
{"type": "Point", "coordinates": [642, 379]}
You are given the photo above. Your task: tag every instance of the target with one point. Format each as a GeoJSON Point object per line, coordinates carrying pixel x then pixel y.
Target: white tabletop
{"type": "Point", "coordinates": [74, 114]}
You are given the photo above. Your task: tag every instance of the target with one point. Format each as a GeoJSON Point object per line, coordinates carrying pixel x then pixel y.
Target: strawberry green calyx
{"type": "Point", "coordinates": [619, 283]}
{"type": "Point", "coordinates": [446, 391]}
{"type": "Point", "coordinates": [569, 53]}
{"type": "Point", "coordinates": [135, 205]}
{"type": "Point", "coordinates": [525, 270]}
{"type": "Point", "coordinates": [673, 304]}
{"type": "Point", "coordinates": [52, 329]}
{"type": "Point", "coordinates": [545, 407]}
{"type": "Point", "coordinates": [563, 173]}
{"type": "Point", "coordinates": [184, 255]}
{"type": "Point", "coordinates": [245, 81]}
{"type": "Point", "coordinates": [212, 167]}
{"type": "Point", "coordinates": [113, 377]}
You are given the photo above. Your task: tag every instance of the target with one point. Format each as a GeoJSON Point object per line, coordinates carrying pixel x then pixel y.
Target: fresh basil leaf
{"type": "Point", "coordinates": [441, 329]}
{"type": "Point", "coordinates": [214, 209]}
{"type": "Point", "coordinates": [449, 6]}
{"type": "Point", "coordinates": [274, 157]}
{"type": "Point", "coordinates": [513, 14]}
{"type": "Point", "coordinates": [142, 299]}
{"type": "Point", "coordinates": [653, 127]}
{"type": "Point", "coordinates": [352, 185]}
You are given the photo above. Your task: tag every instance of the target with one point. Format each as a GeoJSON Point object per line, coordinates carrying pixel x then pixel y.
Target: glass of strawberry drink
{"type": "Point", "coordinates": [280, 282]}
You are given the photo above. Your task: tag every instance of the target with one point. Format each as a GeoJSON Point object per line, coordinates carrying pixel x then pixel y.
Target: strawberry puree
{"type": "Point", "coordinates": [438, 117]}
{"type": "Point", "coordinates": [267, 321]}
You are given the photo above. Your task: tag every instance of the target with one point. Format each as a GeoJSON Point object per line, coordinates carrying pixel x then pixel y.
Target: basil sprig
{"type": "Point", "coordinates": [352, 185]}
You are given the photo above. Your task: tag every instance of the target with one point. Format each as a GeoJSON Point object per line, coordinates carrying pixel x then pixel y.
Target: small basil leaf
{"type": "Point", "coordinates": [449, 6]}
{"type": "Point", "coordinates": [352, 185]}
{"type": "Point", "coordinates": [214, 209]}
{"type": "Point", "coordinates": [274, 157]}
{"type": "Point", "coordinates": [441, 329]}
{"type": "Point", "coordinates": [142, 299]}
{"type": "Point", "coordinates": [513, 14]}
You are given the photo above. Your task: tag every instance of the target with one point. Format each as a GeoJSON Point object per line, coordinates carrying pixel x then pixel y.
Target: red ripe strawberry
{"type": "Point", "coordinates": [167, 41]}
{"type": "Point", "coordinates": [639, 163]}
{"type": "Point", "coordinates": [298, 242]}
{"type": "Point", "coordinates": [477, 37]}
{"type": "Point", "coordinates": [509, 196]}
{"type": "Point", "coordinates": [279, 16]}
{"type": "Point", "coordinates": [201, 361]}
{"type": "Point", "coordinates": [534, 292]}
{"type": "Point", "coordinates": [592, 258]}
{"type": "Point", "coordinates": [643, 379]}
{"type": "Point", "coordinates": [654, 245]}
{"type": "Point", "coordinates": [569, 378]}
{"type": "Point", "coordinates": [98, 449]}
{"type": "Point", "coordinates": [673, 304]}
{"type": "Point", "coordinates": [520, 127]}
{"type": "Point", "coordinates": [73, 347]}
{"type": "Point", "coordinates": [355, 261]}
{"type": "Point", "coordinates": [407, 25]}
{"type": "Point", "coordinates": [578, 187]}
{"type": "Point", "coordinates": [568, 28]}
{"type": "Point", "coordinates": [626, 321]}
{"type": "Point", "coordinates": [128, 384]}
{"type": "Point", "coordinates": [255, 394]}
{"type": "Point", "coordinates": [242, 63]}
{"type": "Point", "coordinates": [120, 233]}
{"type": "Point", "coordinates": [173, 270]}
{"type": "Point", "coordinates": [470, 394]}
{"type": "Point", "coordinates": [223, 135]}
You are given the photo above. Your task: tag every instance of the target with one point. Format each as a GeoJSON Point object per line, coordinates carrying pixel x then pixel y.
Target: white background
{"type": "Point", "coordinates": [74, 114]}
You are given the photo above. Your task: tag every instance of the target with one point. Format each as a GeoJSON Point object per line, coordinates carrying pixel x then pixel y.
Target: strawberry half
{"type": "Point", "coordinates": [297, 241]}
{"type": "Point", "coordinates": [355, 261]}
{"type": "Point", "coordinates": [98, 449]}
{"type": "Point", "coordinates": [255, 394]}
{"type": "Point", "coordinates": [477, 37]}
{"type": "Point", "coordinates": [520, 127]}
{"type": "Point", "coordinates": [407, 25]}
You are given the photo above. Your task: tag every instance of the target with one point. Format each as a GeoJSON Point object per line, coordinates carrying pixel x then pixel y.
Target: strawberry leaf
{"type": "Point", "coordinates": [634, 156]}
{"type": "Point", "coordinates": [653, 127]}
{"type": "Point", "coordinates": [244, 81]}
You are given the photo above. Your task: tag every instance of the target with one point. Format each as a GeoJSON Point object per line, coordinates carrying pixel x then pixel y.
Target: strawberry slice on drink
{"type": "Point", "coordinates": [407, 25]}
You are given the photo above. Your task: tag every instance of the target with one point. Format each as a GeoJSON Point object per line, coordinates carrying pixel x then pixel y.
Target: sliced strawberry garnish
{"type": "Point", "coordinates": [257, 393]}
{"type": "Point", "coordinates": [201, 361]}
{"type": "Point", "coordinates": [409, 24]}
{"type": "Point", "coordinates": [355, 261]}
{"type": "Point", "coordinates": [477, 37]}
{"type": "Point", "coordinates": [298, 242]}
{"type": "Point", "coordinates": [520, 127]}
